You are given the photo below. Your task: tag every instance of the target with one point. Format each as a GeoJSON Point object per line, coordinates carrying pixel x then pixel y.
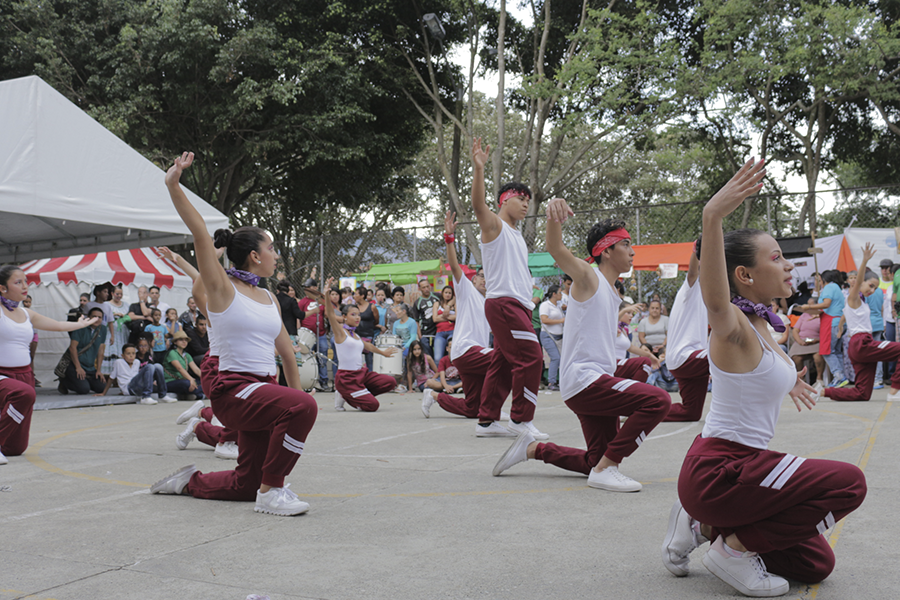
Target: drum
{"type": "Point", "coordinates": [388, 365]}
{"type": "Point", "coordinates": [309, 370]}
{"type": "Point", "coordinates": [386, 340]}
{"type": "Point", "coordinates": [306, 339]}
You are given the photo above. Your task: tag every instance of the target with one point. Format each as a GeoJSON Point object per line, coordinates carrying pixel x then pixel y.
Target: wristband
{"type": "Point", "coordinates": [449, 238]}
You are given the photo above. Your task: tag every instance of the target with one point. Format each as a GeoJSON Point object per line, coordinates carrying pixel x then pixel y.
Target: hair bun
{"type": "Point", "coordinates": [222, 238]}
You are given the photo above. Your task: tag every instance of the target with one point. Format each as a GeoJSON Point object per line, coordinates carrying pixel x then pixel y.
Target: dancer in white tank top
{"type": "Point", "coordinates": [587, 379]}
{"type": "Point", "coordinates": [273, 421]}
{"type": "Point", "coordinates": [354, 383]}
{"type": "Point", "coordinates": [765, 510]}
{"type": "Point", "coordinates": [865, 352]}
{"type": "Point", "coordinates": [687, 350]}
{"type": "Point", "coordinates": [517, 360]}
{"type": "Point", "coordinates": [17, 325]}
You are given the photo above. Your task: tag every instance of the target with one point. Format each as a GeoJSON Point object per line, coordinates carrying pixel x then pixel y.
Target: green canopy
{"type": "Point", "coordinates": [401, 273]}
{"type": "Point", "coordinates": [541, 264]}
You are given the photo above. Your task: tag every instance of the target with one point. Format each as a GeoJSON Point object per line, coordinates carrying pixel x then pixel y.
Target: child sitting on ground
{"type": "Point", "coordinates": [134, 379]}
{"type": "Point", "coordinates": [420, 367]}
{"type": "Point", "coordinates": [447, 379]}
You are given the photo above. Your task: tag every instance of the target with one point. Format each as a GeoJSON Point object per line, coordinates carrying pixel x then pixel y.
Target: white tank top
{"type": "Point", "coordinates": [349, 353]}
{"type": "Point", "coordinates": [213, 340]}
{"type": "Point", "coordinates": [588, 348]}
{"type": "Point", "coordinates": [471, 328]}
{"type": "Point", "coordinates": [15, 338]}
{"type": "Point", "coordinates": [506, 266]}
{"type": "Point", "coordinates": [858, 320]}
{"type": "Point", "coordinates": [745, 406]}
{"type": "Point", "coordinates": [246, 333]}
{"type": "Point", "coordinates": [688, 325]}
{"type": "Point", "coordinates": [622, 345]}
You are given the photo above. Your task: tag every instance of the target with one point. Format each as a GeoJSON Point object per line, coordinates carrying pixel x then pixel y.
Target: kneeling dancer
{"type": "Point", "coordinates": [354, 383]}
{"type": "Point", "coordinates": [272, 421]}
{"type": "Point", "coordinates": [588, 384]}
{"type": "Point", "coordinates": [766, 511]}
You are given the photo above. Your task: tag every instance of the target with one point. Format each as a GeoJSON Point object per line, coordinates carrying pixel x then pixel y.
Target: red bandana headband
{"type": "Point", "coordinates": [613, 237]}
{"type": "Point", "coordinates": [510, 194]}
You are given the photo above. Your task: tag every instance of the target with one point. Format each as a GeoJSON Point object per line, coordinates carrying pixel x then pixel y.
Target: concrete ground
{"type": "Point", "coordinates": [402, 508]}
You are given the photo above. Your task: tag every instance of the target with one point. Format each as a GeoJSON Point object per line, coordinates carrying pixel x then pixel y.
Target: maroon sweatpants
{"type": "Point", "coordinates": [637, 368]}
{"type": "Point", "coordinates": [472, 367]}
{"type": "Point", "coordinates": [16, 406]}
{"type": "Point", "coordinates": [777, 504]}
{"type": "Point", "coordinates": [272, 423]}
{"type": "Point", "coordinates": [517, 355]}
{"type": "Point", "coordinates": [865, 354]}
{"type": "Point", "coordinates": [693, 381]}
{"type": "Point", "coordinates": [599, 407]}
{"type": "Point", "coordinates": [207, 432]}
{"type": "Point", "coordinates": [359, 388]}
{"type": "Point", "coordinates": [210, 434]}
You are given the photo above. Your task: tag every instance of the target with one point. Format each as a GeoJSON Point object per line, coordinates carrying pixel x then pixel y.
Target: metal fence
{"type": "Point", "coordinates": [352, 253]}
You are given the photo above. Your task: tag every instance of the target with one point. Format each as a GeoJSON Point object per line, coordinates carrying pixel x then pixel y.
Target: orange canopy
{"type": "Point", "coordinates": [648, 258]}
{"type": "Point", "coordinates": [845, 258]}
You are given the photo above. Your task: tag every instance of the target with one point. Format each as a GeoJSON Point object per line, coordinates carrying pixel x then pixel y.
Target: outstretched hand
{"type": "Point", "coordinates": [802, 393]}
{"type": "Point", "coordinates": [558, 211]}
{"type": "Point", "coordinates": [450, 223]}
{"type": "Point", "coordinates": [480, 156]}
{"type": "Point", "coordinates": [86, 322]}
{"type": "Point", "coordinates": [167, 254]}
{"type": "Point", "coordinates": [745, 182]}
{"type": "Point", "coordinates": [173, 175]}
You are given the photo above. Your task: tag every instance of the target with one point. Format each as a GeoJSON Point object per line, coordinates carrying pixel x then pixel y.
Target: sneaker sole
{"type": "Point", "coordinates": [281, 513]}
{"type": "Point", "coordinates": [155, 488]}
{"type": "Point", "coordinates": [190, 413]}
{"type": "Point", "coordinates": [609, 488]}
{"type": "Point", "coordinates": [670, 534]}
{"type": "Point", "coordinates": [726, 577]}
{"type": "Point", "coordinates": [426, 410]}
{"type": "Point", "coordinates": [495, 435]}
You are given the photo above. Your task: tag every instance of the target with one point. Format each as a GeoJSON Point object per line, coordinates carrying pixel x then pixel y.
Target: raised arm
{"type": "Point", "coordinates": [723, 315]}
{"type": "Point", "coordinates": [693, 268]}
{"type": "Point", "coordinates": [580, 271]}
{"type": "Point", "coordinates": [179, 262]}
{"type": "Point", "coordinates": [853, 299]}
{"type": "Point", "coordinates": [337, 328]}
{"type": "Point", "coordinates": [218, 287]}
{"type": "Point", "coordinates": [489, 222]}
{"type": "Point", "coordinates": [450, 230]}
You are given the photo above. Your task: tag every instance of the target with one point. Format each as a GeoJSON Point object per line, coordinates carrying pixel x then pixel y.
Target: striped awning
{"type": "Point", "coordinates": [139, 266]}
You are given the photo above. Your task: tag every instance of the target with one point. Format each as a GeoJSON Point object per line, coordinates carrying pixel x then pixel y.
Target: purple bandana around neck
{"type": "Point", "coordinates": [760, 310]}
{"type": "Point", "coordinates": [245, 276]}
{"type": "Point", "coordinates": [352, 330]}
{"type": "Point", "coordinates": [623, 327]}
{"type": "Point", "coordinates": [9, 304]}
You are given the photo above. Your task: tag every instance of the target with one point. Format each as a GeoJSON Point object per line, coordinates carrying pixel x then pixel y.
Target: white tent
{"type": "Point", "coordinates": [55, 285]}
{"type": "Point", "coordinates": [68, 185]}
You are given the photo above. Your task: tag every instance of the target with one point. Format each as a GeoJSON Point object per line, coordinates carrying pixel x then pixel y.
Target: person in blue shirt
{"type": "Point", "coordinates": [159, 332]}
{"type": "Point", "coordinates": [831, 303]}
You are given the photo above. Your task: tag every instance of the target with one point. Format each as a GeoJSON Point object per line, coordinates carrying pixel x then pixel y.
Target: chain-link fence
{"type": "Point", "coordinates": [354, 253]}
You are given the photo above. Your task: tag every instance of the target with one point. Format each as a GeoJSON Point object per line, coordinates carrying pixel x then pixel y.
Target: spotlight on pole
{"type": "Point", "coordinates": [434, 26]}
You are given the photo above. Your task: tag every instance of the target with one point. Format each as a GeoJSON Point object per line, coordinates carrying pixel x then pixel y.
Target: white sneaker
{"type": "Point", "coordinates": [427, 402]}
{"type": "Point", "coordinates": [495, 429]}
{"type": "Point", "coordinates": [338, 401]}
{"type": "Point", "coordinates": [819, 387]}
{"type": "Point", "coordinates": [227, 450]}
{"type": "Point", "coordinates": [174, 483]}
{"type": "Point", "coordinates": [746, 573]}
{"type": "Point", "coordinates": [893, 397]}
{"type": "Point", "coordinates": [681, 540]}
{"type": "Point", "coordinates": [148, 401]}
{"type": "Point", "coordinates": [3, 459]}
{"type": "Point", "coordinates": [515, 454]}
{"type": "Point", "coordinates": [191, 413]}
{"type": "Point", "coordinates": [518, 428]}
{"type": "Point", "coordinates": [168, 399]}
{"type": "Point", "coordinates": [611, 480]}
{"type": "Point", "coordinates": [215, 421]}
{"type": "Point", "coordinates": [400, 389]}
{"type": "Point", "coordinates": [280, 501]}
{"type": "Point", "coordinates": [185, 437]}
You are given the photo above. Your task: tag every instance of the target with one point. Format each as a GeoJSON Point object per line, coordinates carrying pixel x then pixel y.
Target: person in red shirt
{"type": "Point", "coordinates": [315, 322]}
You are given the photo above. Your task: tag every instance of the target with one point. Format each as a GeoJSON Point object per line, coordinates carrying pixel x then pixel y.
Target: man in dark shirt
{"type": "Point", "coordinates": [423, 312]}
{"type": "Point", "coordinates": [86, 350]}
{"type": "Point", "coordinates": [290, 310]}
{"type": "Point", "coordinates": [198, 340]}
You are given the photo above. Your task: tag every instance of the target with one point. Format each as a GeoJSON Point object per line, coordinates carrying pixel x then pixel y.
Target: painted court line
{"type": "Point", "coordinates": [392, 437]}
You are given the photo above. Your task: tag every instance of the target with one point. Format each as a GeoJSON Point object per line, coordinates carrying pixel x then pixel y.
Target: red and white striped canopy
{"type": "Point", "coordinates": [140, 266]}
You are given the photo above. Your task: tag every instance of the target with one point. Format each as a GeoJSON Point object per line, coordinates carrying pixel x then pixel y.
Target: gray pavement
{"type": "Point", "coordinates": [401, 507]}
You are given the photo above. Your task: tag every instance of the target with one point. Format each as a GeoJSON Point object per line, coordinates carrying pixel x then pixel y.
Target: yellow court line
{"type": "Point", "coordinates": [813, 590]}
{"type": "Point", "coordinates": [33, 456]}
